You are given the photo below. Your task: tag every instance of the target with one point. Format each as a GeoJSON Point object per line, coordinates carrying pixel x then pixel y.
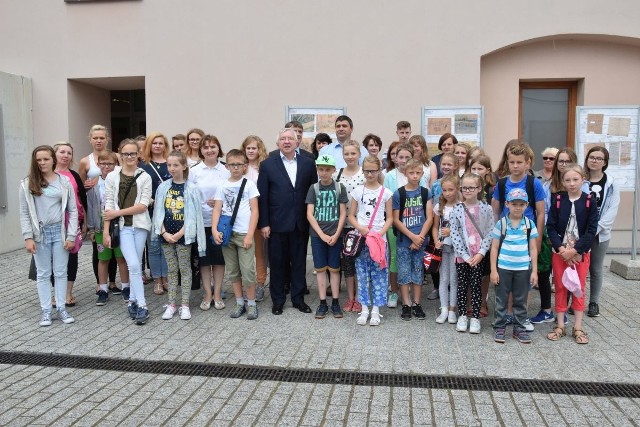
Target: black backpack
{"type": "Point", "coordinates": [424, 193]}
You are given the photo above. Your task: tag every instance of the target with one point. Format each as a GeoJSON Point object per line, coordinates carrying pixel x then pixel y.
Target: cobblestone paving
{"type": "Point", "coordinates": [32, 395]}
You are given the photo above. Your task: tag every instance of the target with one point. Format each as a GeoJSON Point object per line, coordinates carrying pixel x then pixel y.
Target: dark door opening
{"type": "Point", "coordinates": [128, 115]}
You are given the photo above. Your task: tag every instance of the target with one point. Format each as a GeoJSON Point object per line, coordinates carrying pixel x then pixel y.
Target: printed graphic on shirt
{"type": "Point", "coordinates": [174, 209]}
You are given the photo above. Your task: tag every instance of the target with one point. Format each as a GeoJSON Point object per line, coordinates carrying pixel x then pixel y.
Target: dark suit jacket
{"type": "Point", "coordinates": [302, 151]}
{"type": "Point", "coordinates": [282, 206]}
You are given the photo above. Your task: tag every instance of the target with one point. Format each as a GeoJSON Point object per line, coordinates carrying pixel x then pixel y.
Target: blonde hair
{"type": "Point", "coordinates": [262, 150]}
{"type": "Point", "coordinates": [64, 144]}
{"type": "Point", "coordinates": [452, 157]}
{"type": "Point", "coordinates": [96, 128]}
{"type": "Point", "coordinates": [453, 179]}
{"type": "Point", "coordinates": [351, 143]}
{"type": "Point", "coordinates": [372, 159]}
{"type": "Point", "coordinates": [573, 167]}
{"type": "Point", "coordinates": [146, 151]}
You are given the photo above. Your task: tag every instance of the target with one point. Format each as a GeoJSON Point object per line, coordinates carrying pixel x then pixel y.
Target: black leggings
{"type": "Point", "coordinates": [544, 285]}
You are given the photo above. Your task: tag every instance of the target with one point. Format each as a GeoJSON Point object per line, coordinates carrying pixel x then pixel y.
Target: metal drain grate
{"type": "Point", "coordinates": [317, 376]}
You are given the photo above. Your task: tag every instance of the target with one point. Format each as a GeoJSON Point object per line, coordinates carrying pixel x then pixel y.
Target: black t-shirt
{"type": "Point", "coordinates": [598, 188]}
{"type": "Point", "coordinates": [174, 209]}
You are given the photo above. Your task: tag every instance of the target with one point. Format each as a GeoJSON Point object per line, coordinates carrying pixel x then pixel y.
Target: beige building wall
{"type": "Point", "coordinates": [233, 67]}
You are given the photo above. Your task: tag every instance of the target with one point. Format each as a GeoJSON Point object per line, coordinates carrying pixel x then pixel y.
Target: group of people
{"type": "Point", "coordinates": [368, 220]}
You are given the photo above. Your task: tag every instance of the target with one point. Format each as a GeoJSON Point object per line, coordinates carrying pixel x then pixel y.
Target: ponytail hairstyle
{"type": "Point", "coordinates": [453, 179]}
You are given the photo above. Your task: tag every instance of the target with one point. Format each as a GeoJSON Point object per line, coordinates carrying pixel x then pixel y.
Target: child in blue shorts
{"type": "Point", "coordinates": [327, 212]}
{"type": "Point", "coordinates": [412, 219]}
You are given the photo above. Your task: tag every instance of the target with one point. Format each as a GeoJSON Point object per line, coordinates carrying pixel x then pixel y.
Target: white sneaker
{"type": "Point", "coordinates": [474, 326]}
{"type": "Point", "coordinates": [453, 317]}
{"type": "Point", "coordinates": [375, 319]}
{"type": "Point", "coordinates": [169, 312]}
{"type": "Point", "coordinates": [443, 315]}
{"type": "Point", "coordinates": [528, 326]}
{"type": "Point", "coordinates": [185, 313]}
{"type": "Point", "coordinates": [393, 300]}
{"type": "Point", "coordinates": [46, 318]}
{"type": "Point", "coordinates": [362, 319]}
{"type": "Point", "coordinates": [65, 317]}
{"type": "Point", "coordinates": [461, 326]}
{"type": "Point", "coordinates": [219, 305]}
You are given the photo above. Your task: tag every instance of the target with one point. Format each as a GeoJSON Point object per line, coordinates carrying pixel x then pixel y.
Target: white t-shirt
{"type": "Point", "coordinates": [208, 180]}
{"type": "Point", "coordinates": [228, 193]}
{"type": "Point", "coordinates": [367, 204]}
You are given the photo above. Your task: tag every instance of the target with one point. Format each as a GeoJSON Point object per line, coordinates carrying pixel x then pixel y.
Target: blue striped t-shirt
{"type": "Point", "coordinates": [514, 253]}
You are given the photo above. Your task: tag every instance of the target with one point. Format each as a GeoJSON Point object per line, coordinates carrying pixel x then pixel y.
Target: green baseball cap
{"type": "Point", "coordinates": [325, 160]}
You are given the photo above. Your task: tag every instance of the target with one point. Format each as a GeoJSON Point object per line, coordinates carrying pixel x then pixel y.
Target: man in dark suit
{"type": "Point", "coordinates": [297, 127]}
{"type": "Point", "coordinates": [283, 183]}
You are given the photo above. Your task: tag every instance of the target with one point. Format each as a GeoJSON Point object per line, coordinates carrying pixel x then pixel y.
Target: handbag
{"type": "Point", "coordinates": [432, 258]}
{"type": "Point", "coordinates": [225, 223]}
{"type": "Point", "coordinates": [354, 241]}
{"type": "Point", "coordinates": [114, 225]}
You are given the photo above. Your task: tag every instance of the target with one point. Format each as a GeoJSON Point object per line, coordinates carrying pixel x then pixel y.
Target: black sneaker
{"type": "Point", "coordinates": [102, 297]}
{"type": "Point", "coordinates": [336, 310]}
{"type": "Point", "coordinates": [417, 312]}
{"type": "Point", "coordinates": [115, 290]}
{"type": "Point", "coordinates": [594, 310]}
{"type": "Point", "coordinates": [125, 293]}
{"type": "Point", "coordinates": [322, 311]}
{"type": "Point", "coordinates": [406, 312]}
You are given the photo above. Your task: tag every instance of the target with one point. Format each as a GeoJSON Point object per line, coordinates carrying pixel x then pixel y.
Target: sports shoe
{"type": "Point", "coordinates": [65, 317]}
{"type": "Point", "coordinates": [237, 311]}
{"type": "Point", "coordinates": [444, 312]}
{"type": "Point", "coordinates": [46, 318]}
{"type": "Point", "coordinates": [252, 312]}
{"type": "Point", "coordinates": [594, 310]}
{"type": "Point", "coordinates": [259, 293]}
{"type": "Point", "coordinates": [542, 317]}
{"type": "Point", "coordinates": [452, 318]}
{"type": "Point", "coordinates": [336, 310]}
{"type": "Point", "coordinates": [142, 315]}
{"type": "Point", "coordinates": [406, 312]}
{"type": "Point", "coordinates": [362, 319]}
{"type": "Point", "coordinates": [126, 292]}
{"type": "Point", "coordinates": [474, 326]}
{"type": "Point", "coordinates": [461, 326]}
{"type": "Point", "coordinates": [434, 294]}
{"type": "Point", "coordinates": [169, 311]}
{"type": "Point", "coordinates": [521, 335]}
{"type": "Point", "coordinates": [185, 313]}
{"type": "Point", "coordinates": [528, 326]}
{"type": "Point", "coordinates": [498, 335]}
{"type": "Point", "coordinates": [348, 306]}
{"type": "Point", "coordinates": [418, 312]}
{"type": "Point", "coordinates": [219, 305]}
{"type": "Point", "coordinates": [133, 310]}
{"type": "Point", "coordinates": [356, 307]}
{"type": "Point", "coordinates": [321, 311]}
{"type": "Point", "coordinates": [375, 319]}
{"type": "Point", "coordinates": [393, 300]}
{"type": "Point", "coordinates": [102, 297]}
{"type": "Point", "coordinates": [115, 290]}
{"type": "Point", "coordinates": [509, 319]}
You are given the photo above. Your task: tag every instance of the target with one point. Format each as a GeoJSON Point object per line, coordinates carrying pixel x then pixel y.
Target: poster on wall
{"type": "Point", "coordinates": [466, 123]}
{"type": "Point", "coordinates": [315, 120]}
{"type": "Point", "coordinates": [616, 129]}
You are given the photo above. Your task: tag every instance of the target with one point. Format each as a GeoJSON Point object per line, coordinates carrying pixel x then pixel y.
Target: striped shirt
{"type": "Point", "coordinates": [514, 253]}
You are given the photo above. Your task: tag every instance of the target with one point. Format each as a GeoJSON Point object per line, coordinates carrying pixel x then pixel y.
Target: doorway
{"type": "Point", "coordinates": [128, 115]}
{"type": "Point", "coordinates": [547, 115]}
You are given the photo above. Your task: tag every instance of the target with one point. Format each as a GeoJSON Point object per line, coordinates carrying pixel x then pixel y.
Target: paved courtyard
{"type": "Point", "coordinates": [39, 395]}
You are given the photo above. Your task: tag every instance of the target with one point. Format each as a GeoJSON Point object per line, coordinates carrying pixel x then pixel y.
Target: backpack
{"type": "Point", "coordinates": [424, 193]}
{"type": "Point", "coordinates": [502, 184]}
{"type": "Point", "coordinates": [503, 232]}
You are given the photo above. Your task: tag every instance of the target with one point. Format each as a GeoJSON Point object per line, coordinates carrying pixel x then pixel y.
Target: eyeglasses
{"type": "Point", "coordinates": [548, 158]}
{"type": "Point", "coordinates": [235, 165]}
{"type": "Point", "coordinates": [467, 189]}
{"type": "Point", "coordinates": [596, 159]}
{"type": "Point", "coordinates": [370, 172]}
{"type": "Point", "coordinates": [129, 155]}
{"type": "Point", "coordinates": [107, 165]}
{"type": "Point", "coordinates": [564, 162]}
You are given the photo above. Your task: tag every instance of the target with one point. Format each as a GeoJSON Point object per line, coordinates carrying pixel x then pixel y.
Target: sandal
{"type": "Point", "coordinates": [557, 333]}
{"type": "Point", "coordinates": [158, 289]}
{"type": "Point", "coordinates": [580, 336]}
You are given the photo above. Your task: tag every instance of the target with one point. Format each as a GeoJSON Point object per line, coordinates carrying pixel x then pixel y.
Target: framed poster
{"type": "Point", "coordinates": [466, 123]}
{"type": "Point", "coordinates": [315, 120]}
{"type": "Point", "coordinates": [616, 129]}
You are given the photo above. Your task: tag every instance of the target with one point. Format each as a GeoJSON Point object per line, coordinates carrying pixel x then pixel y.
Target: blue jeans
{"type": "Point", "coordinates": [132, 242]}
{"type": "Point", "coordinates": [157, 261]}
{"type": "Point", "coordinates": [51, 256]}
{"type": "Point", "coordinates": [598, 251]}
{"type": "Point", "coordinates": [372, 280]}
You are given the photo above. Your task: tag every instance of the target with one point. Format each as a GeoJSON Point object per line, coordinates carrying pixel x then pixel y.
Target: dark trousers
{"type": "Point", "coordinates": [287, 253]}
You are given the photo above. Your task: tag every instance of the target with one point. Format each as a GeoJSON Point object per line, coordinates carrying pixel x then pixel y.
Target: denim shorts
{"type": "Point", "coordinates": [410, 266]}
{"type": "Point", "coordinates": [325, 256]}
